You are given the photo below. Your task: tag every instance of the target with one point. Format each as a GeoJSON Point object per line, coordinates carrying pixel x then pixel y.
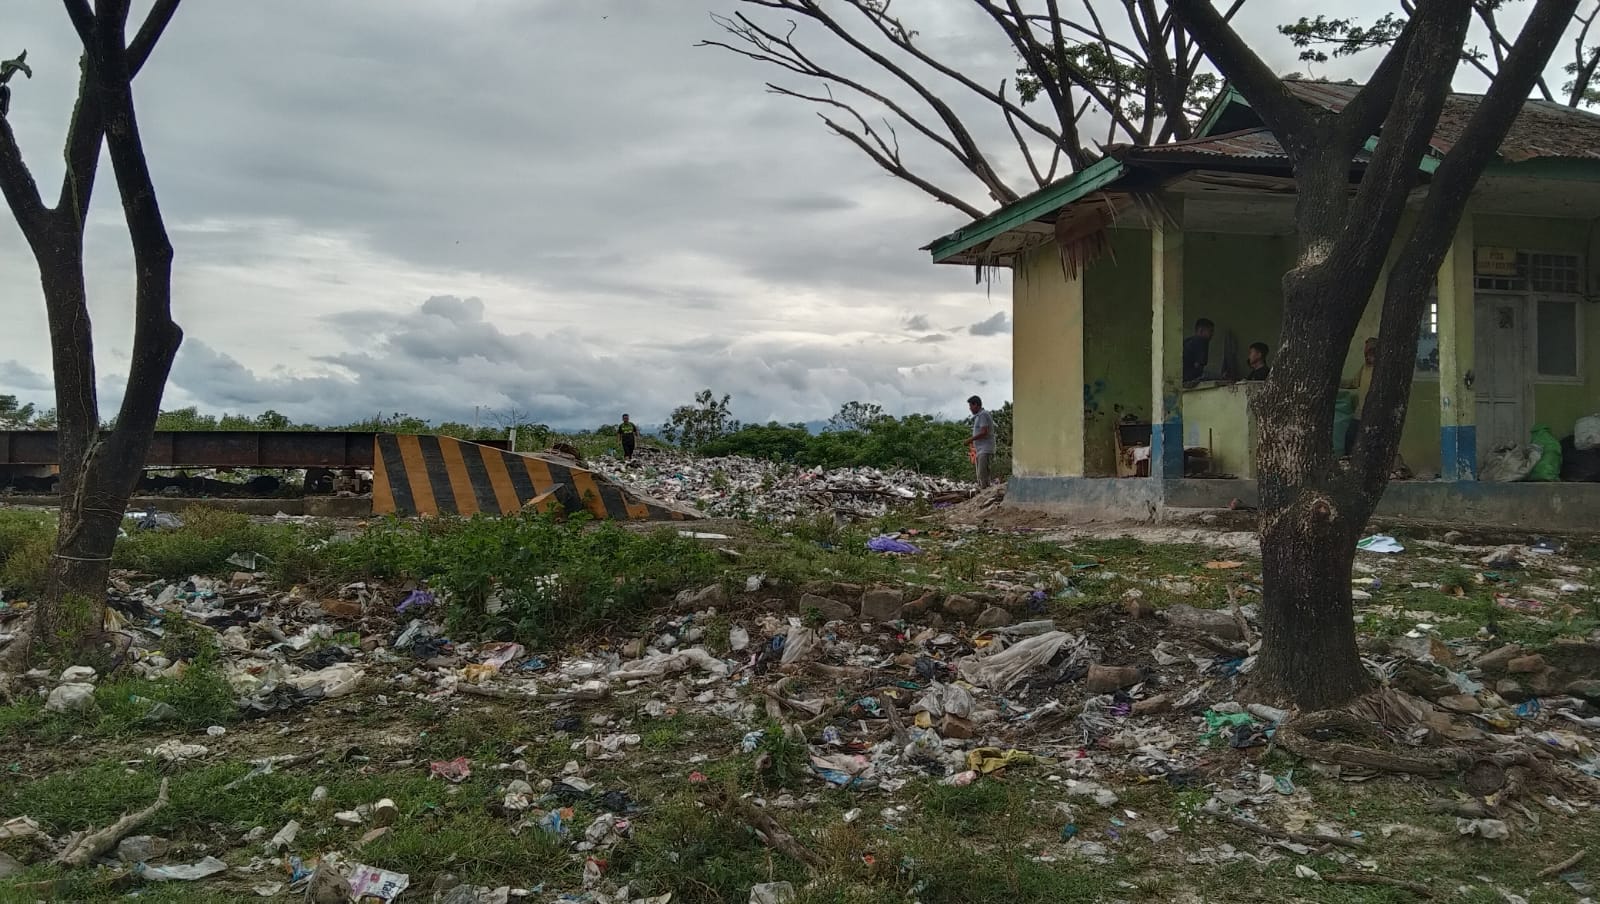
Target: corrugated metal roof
{"type": "Point", "coordinates": [1543, 130]}
{"type": "Point", "coordinates": [1258, 144]}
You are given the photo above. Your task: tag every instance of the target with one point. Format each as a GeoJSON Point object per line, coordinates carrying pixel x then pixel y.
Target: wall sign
{"type": "Point", "coordinates": [1496, 262]}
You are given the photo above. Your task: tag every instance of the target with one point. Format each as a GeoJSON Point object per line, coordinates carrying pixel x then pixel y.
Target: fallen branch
{"type": "Point", "coordinates": [771, 833]}
{"type": "Point", "coordinates": [81, 850]}
{"type": "Point", "coordinates": [1559, 868]}
{"type": "Point", "coordinates": [1285, 835]}
{"type": "Point", "coordinates": [827, 715]}
{"type": "Point", "coordinates": [1339, 754]}
{"type": "Point", "coordinates": [1416, 888]}
{"type": "Point", "coordinates": [494, 693]}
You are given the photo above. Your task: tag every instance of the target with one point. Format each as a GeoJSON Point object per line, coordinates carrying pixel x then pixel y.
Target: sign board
{"type": "Point", "coordinates": [1496, 262]}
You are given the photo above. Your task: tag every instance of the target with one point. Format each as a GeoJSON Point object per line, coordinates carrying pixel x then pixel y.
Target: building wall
{"type": "Point", "coordinates": [1557, 405]}
{"type": "Point", "coordinates": [1047, 368]}
{"type": "Point", "coordinates": [1116, 348]}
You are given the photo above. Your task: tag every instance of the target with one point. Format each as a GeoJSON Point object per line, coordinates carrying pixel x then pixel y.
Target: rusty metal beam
{"type": "Point", "coordinates": [220, 449]}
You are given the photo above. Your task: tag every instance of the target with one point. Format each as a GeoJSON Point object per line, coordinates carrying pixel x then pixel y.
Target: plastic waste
{"type": "Point", "coordinates": [1380, 543]}
{"type": "Point", "coordinates": [1548, 468]}
{"type": "Point", "coordinates": [772, 893]}
{"type": "Point", "coordinates": [185, 872]}
{"type": "Point", "coordinates": [892, 545]}
{"type": "Point", "coordinates": [455, 771]}
{"type": "Point", "coordinates": [175, 750]}
{"type": "Point", "coordinates": [1586, 433]}
{"type": "Point", "coordinates": [1001, 671]}
{"type": "Point", "coordinates": [992, 759]}
{"type": "Point", "coordinates": [660, 666]}
{"type": "Point", "coordinates": [1508, 464]}
{"type": "Point", "coordinates": [738, 638]}
{"type": "Point", "coordinates": [1490, 829]}
{"type": "Point", "coordinates": [284, 839]}
{"type": "Point", "coordinates": [370, 882]}
{"type": "Point", "coordinates": [799, 644]}
{"type": "Point", "coordinates": [70, 698]}
{"type": "Point", "coordinates": [335, 680]}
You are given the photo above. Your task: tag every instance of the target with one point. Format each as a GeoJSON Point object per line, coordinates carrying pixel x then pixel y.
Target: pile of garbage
{"type": "Point", "coordinates": [735, 486]}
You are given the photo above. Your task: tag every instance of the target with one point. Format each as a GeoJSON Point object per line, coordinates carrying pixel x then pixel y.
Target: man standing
{"type": "Point", "coordinates": [982, 441]}
{"type": "Point", "coordinates": [1369, 354]}
{"type": "Point", "coordinates": [627, 432]}
{"type": "Point", "coordinates": [1197, 351]}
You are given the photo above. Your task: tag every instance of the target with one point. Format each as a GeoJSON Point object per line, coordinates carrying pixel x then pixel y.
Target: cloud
{"type": "Point", "coordinates": [429, 361]}
{"type": "Point", "coordinates": [917, 323]}
{"type": "Point", "coordinates": [997, 325]}
{"type": "Point", "coordinates": [934, 337]}
{"type": "Point", "coordinates": [19, 380]}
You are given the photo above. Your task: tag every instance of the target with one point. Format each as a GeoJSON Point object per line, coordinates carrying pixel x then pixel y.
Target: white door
{"type": "Point", "coordinates": [1499, 374]}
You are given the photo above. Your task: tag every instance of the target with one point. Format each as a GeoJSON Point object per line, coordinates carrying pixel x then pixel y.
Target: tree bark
{"type": "Point", "coordinates": [98, 470]}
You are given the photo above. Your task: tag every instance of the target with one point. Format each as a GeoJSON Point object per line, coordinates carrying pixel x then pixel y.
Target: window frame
{"type": "Point", "coordinates": [1534, 373]}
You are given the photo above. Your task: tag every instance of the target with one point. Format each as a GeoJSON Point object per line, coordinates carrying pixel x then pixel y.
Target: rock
{"type": "Point", "coordinates": [1587, 688]}
{"type": "Point", "coordinates": [9, 866]}
{"type": "Point", "coordinates": [1526, 665]}
{"type": "Point", "coordinates": [1575, 657]}
{"type": "Point", "coordinates": [1153, 705]}
{"type": "Point", "coordinates": [1461, 703]}
{"type": "Point", "coordinates": [994, 617]}
{"type": "Point", "coordinates": [962, 606]}
{"type": "Point", "coordinates": [712, 597]}
{"type": "Point", "coordinates": [832, 610]}
{"type": "Point", "coordinates": [956, 727]}
{"type": "Point", "coordinates": [70, 698]}
{"type": "Point", "coordinates": [1546, 683]}
{"type": "Point", "coordinates": [1207, 621]}
{"type": "Point", "coordinates": [1453, 537]}
{"type": "Point", "coordinates": [920, 606]}
{"type": "Point", "coordinates": [881, 604]}
{"type": "Point", "coordinates": [1496, 660]}
{"type": "Point", "coordinates": [933, 620]}
{"type": "Point", "coordinates": [142, 848]}
{"type": "Point", "coordinates": [633, 649]}
{"type": "Point", "coordinates": [1504, 558]}
{"type": "Point", "coordinates": [1512, 691]}
{"type": "Point", "coordinates": [342, 609]}
{"type": "Point", "coordinates": [329, 885]}
{"type": "Point", "coordinates": [1105, 679]}
{"type": "Point", "coordinates": [1138, 607]}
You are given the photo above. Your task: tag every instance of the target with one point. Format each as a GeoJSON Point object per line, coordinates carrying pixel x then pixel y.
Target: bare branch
{"type": "Point", "coordinates": [21, 191]}
{"type": "Point", "coordinates": [1022, 143]}
{"type": "Point", "coordinates": [1423, 252]}
{"type": "Point", "coordinates": [82, 18]}
{"type": "Point", "coordinates": [144, 42]}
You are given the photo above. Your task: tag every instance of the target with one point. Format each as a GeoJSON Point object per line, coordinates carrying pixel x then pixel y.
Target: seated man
{"type": "Point", "coordinates": [1197, 350]}
{"type": "Point", "coordinates": [1257, 359]}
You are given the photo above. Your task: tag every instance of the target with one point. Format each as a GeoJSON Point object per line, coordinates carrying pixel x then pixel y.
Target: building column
{"type": "Point", "coordinates": [1047, 368]}
{"type": "Point", "coordinates": [1166, 352]}
{"type": "Point", "coordinates": [1458, 404]}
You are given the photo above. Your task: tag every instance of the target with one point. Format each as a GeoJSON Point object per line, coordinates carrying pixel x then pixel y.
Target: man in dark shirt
{"type": "Point", "coordinates": [1257, 358]}
{"type": "Point", "coordinates": [1197, 350]}
{"type": "Point", "coordinates": [628, 432]}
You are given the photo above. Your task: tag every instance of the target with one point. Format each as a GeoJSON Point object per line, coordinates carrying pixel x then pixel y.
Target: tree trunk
{"type": "Point", "coordinates": [1308, 636]}
{"type": "Point", "coordinates": [1312, 508]}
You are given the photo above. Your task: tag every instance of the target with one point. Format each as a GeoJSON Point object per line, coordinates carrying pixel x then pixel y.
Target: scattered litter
{"type": "Point", "coordinates": [187, 872]}
{"type": "Point", "coordinates": [1491, 829]}
{"type": "Point", "coordinates": [772, 893]}
{"type": "Point", "coordinates": [892, 545]}
{"type": "Point", "coordinates": [371, 883]}
{"type": "Point", "coordinates": [456, 771]}
{"type": "Point", "coordinates": [1380, 543]}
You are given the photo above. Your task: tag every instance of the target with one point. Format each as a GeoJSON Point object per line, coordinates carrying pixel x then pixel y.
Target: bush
{"type": "Point", "coordinates": [528, 577]}
{"type": "Point", "coordinates": [26, 540]}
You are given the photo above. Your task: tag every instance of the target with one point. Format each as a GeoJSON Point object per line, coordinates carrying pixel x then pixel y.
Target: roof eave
{"type": "Point", "coordinates": [1027, 209]}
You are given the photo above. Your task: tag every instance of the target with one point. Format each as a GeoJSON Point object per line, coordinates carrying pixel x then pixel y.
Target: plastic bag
{"type": "Point", "coordinates": [1004, 669]}
{"type": "Point", "coordinates": [1548, 468]}
{"type": "Point", "coordinates": [1586, 435]}
{"type": "Point", "coordinates": [1508, 464]}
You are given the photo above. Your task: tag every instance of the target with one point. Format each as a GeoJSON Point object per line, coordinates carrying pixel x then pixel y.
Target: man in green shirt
{"type": "Point", "coordinates": [627, 432]}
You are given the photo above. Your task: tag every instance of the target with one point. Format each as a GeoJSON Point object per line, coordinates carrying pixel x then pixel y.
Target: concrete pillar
{"type": "Point", "coordinates": [1458, 404]}
{"type": "Point", "coordinates": [1047, 368]}
{"type": "Point", "coordinates": [1167, 331]}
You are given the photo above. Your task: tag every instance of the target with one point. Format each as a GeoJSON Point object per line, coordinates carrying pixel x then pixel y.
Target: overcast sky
{"type": "Point", "coordinates": [562, 206]}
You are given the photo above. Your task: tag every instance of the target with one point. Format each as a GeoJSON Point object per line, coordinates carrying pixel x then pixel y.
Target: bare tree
{"type": "Point", "coordinates": [98, 471]}
{"type": "Point", "coordinates": [1322, 37]}
{"type": "Point", "coordinates": [1314, 507]}
{"type": "Point", "coordinates": [1138, 78]}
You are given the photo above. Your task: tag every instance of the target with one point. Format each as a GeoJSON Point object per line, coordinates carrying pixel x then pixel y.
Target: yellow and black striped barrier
{"type": "Point", "coordinates": [438, 475]}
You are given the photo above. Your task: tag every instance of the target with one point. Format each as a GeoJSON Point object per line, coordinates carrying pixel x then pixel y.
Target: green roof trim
{"type": "Point", "coordinates": [1027, 209]}
{"type": "Point", "coordinates": [1429, 162]}
{"type": "Point", "coordinates": [1219, 106]}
